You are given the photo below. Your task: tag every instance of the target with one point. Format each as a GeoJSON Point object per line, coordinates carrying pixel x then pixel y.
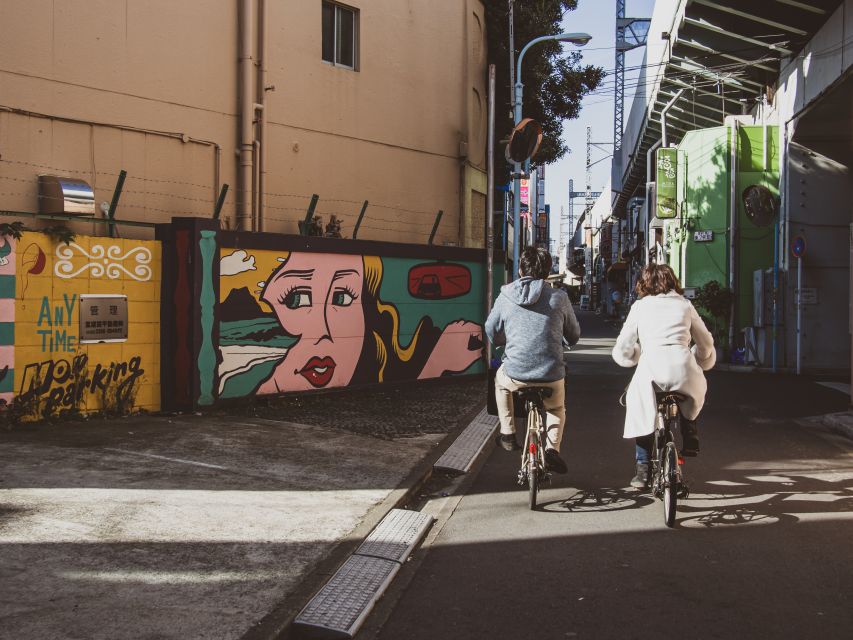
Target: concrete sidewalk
{"type": "Point", "coordinates": [186, 527]}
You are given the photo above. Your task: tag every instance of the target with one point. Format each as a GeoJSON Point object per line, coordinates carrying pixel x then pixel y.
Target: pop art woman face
{"type": "Point", "coordinates": [317, 299]}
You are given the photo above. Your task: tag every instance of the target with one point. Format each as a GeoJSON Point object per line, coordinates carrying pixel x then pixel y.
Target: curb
{"type": "Point", "coordinates": [278, 623]}
{"type": "Point", "coordinates": [840, 423]}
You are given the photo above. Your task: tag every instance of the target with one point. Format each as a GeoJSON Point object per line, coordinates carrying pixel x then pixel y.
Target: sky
{"type": "Point", "coordinates": [598, 18]}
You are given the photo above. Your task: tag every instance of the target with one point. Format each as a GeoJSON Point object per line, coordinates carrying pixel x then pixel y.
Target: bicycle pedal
{"type": "Point", "coordinates": [683, 490]}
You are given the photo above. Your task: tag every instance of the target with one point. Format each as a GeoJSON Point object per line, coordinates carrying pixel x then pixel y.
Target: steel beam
{"type": "Point", "coordinates": [750, 16]}
{"type": "Point", "coordinates": [706, 49]}
{"type": "Point", "coordinates": [803, 6]}
{"type": "Point", "coordinates": [675, 107]}
{"type": "Point", "coordinates": [705, 93]}
{"type": "Point", "coordinates": [703, 24]}
{"type": "Point", "coordinates": [716, 76]}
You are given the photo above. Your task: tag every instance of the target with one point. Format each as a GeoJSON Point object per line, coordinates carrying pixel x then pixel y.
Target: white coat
{"type": "Point", "coordinates": [656, 338]}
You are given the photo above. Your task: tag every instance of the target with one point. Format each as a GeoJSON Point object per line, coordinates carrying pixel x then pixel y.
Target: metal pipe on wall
{"type": "Point", "coordinates": [663, 112]}
{"type": "Point", "coordinates": [733, 228]}
{"type": "Point", "coordinates": [262, 118]}
{"type": "Point", "coordinates": [490, 202]}
{"type": "Point", "coordinates": [246, 148]}
{"type": "Point", "coordinates": [648, 217]}
{"type": "Point", "coordinates": [217, 149]}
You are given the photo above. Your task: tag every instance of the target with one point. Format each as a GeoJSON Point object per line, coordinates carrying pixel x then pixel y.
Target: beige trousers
{"type": "Point", "coordinates": [555, 406]}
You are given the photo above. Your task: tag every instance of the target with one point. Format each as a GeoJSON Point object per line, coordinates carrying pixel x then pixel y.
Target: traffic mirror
{"type": "Point", "coordinates": [524, 141]}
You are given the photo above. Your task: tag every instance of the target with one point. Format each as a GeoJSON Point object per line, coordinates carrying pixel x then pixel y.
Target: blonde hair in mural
{"type": "Point", "coordinates": [373, 278]}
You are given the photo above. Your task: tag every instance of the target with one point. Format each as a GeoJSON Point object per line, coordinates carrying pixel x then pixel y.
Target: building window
{"type": "Point", "coordinates": [340, 35]}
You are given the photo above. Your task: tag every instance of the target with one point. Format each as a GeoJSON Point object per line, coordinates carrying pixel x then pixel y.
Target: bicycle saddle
{"type": "Point", "coordinates": [660, 393]}
{"type": "Point", "coordinates": [531, 393]}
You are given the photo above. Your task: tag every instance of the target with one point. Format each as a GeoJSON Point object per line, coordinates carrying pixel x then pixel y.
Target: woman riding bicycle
{"type": "Point", "coordinates": [656, 339]}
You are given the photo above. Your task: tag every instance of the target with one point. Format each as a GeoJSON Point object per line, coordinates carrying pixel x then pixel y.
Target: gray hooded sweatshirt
{"type": "Point", "coordinates": [531, 319]}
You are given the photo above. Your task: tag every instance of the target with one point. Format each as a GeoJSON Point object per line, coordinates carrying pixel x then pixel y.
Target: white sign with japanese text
{"type": "Point", "coordinates": [103, 318]}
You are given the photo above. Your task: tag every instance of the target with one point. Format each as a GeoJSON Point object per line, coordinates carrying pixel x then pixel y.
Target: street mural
{"type": "Point", "coordinates": [301, 321]}
{"type": "Point", "coordinates": [43, 285]}
{"type": "Point", "coordinates": [7, 319]}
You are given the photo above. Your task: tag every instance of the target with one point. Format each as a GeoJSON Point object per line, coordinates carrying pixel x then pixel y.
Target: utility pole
{"type": "Point", "coordinates": [590, 251]}
{"type": "Point", "coordinates": [630, 34]}
{"type": "Point", "coordinates": [619, 73]}
{"type": "Point", "coordinates": [589, 200]}
{"type": "Point", "coordinates": [511, 53]}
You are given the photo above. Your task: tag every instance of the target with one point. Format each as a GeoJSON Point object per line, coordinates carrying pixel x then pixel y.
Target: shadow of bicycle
{"type": "Point", "coordinates": [599, 500]}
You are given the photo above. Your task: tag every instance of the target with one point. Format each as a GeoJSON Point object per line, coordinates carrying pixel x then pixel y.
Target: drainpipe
{"type": "Point", "coordinates": [733, 229]}
{"type": "Point", "coordinates": [663, 115]}
{"type": "Point", "coordinates": [764, 130]}
{"type": "Point", "coordinates": [262, 118]}
{"type": "Point", "coordinates": [246, 148]}
{"type": "Point", "coordinates": [650, 154]}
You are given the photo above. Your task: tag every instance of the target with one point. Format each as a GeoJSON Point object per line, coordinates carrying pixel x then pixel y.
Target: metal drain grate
{"type": "Point", "coordinates": [396, 536]}
{"type": "Point", "coordinates": [460, 455]}
{"type": "Point", "coordinates": [340, 607]}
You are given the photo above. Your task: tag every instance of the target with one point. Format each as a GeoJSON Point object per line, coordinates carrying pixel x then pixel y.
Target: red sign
{"type": "Point", "coordinates": [439, 281]}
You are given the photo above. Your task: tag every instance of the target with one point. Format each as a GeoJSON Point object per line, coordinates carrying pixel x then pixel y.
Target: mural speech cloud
{"type": "Point", "coordinates": [237, 262]}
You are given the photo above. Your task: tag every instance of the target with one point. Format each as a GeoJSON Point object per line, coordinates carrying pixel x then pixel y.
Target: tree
{"type": "Point", "coordinates": [554, 80]}
{"type": "Point", "coordinates": [714, 302]}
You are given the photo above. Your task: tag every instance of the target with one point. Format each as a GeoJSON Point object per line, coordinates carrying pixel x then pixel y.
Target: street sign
{"type": "Point", "coordinates": [703, 236]}
{"type": "Point", "coordinates": [806, 295]}
{"type": "Point", "coordinates": [665, 188]}
{"type": "Point", "coordinates": [798, 247]}
{"type": "Point", "coordinates": [103, 318]}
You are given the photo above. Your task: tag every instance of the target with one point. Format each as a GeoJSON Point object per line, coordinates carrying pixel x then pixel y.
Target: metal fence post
{"type": "Point", "coordinates": [309, 215]}
{"type": "Point", "coordinates": [219, 202]}
{"type": "Point", "coordinates": [111, 228]}
{"type": "Point", "coordinates": [435, 226]}
{"type": "Point", "coordinates": [360, 218]}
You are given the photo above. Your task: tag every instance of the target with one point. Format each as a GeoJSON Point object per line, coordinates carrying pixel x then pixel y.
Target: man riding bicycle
{"type": "Point", "coordinates": [532, 319]}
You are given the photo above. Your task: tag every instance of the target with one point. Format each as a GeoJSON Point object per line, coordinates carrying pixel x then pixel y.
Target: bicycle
{"type": "Point", "coordinates": [533, 471]}
{"type": "Point", "coordinates": [666, 480]}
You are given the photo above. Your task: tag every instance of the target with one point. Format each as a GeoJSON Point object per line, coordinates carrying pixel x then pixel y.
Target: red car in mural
{"type": "Point", "coordinates": [439, 281]}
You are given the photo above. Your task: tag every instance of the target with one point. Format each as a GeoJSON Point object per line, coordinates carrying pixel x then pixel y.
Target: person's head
{"type": "Point", "coordinates": [345, 333]}
{"type": "Point", "coordinates": [317, 299]}
{"type": "Point", "coordinates": [534, 262]}
{"type": "Point", "coordinates": [656, 279]}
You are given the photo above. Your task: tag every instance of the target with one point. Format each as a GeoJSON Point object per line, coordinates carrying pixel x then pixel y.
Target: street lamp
{"type": "Point", "coordinates": [578, 39]}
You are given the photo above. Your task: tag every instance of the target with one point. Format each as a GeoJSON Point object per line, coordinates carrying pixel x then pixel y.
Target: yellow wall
{"type": "Point", "coordinates": [50, 278]}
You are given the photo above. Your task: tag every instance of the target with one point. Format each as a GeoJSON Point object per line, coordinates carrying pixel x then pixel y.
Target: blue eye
{"type": "Point", "coordinates": [296, 298]}
{"type": "Point", "coordinates": [342, 297]}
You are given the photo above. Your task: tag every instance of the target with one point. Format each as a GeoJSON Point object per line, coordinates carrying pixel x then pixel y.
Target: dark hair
{"type": "Point", "coordinates": [656, 279]}
{"type": "Point", "coordinates": [535, 262]}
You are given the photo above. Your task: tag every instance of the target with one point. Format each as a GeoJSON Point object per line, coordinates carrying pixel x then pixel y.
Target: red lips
{"type": "Point", "coordinates": [318, 371]}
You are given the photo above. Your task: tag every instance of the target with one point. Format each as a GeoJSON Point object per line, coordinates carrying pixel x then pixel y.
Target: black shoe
{"type": "Point", "coordinates": [507, 442]}
{"type": "Point", "coordinates": [641, 480]}
{"type": "Point", "coordinates": [689, 438]}
{"type": "Point", "coordinates": [690, 448]}
{"type": "Point", "coordinates": [553, 461]}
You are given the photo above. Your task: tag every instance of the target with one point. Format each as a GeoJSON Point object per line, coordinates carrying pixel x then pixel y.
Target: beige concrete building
{"type": "Point", "coordinates": [378, 100]}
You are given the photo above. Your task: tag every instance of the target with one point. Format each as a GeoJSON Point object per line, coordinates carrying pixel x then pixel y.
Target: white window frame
{"type": "Point", "coordinates": [355, 36]}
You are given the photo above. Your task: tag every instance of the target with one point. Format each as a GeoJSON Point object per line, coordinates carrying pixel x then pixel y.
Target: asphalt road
{"type": "Point", "coordinates": [762, 548]}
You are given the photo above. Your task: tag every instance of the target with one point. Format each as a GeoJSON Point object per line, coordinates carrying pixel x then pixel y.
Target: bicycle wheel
{"type": "Point", "coordinates": [670, 483]}
{"type": "Point", "coordinates": [533, 455]}
{"type": "Point", "coordinates": [532, 482]}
